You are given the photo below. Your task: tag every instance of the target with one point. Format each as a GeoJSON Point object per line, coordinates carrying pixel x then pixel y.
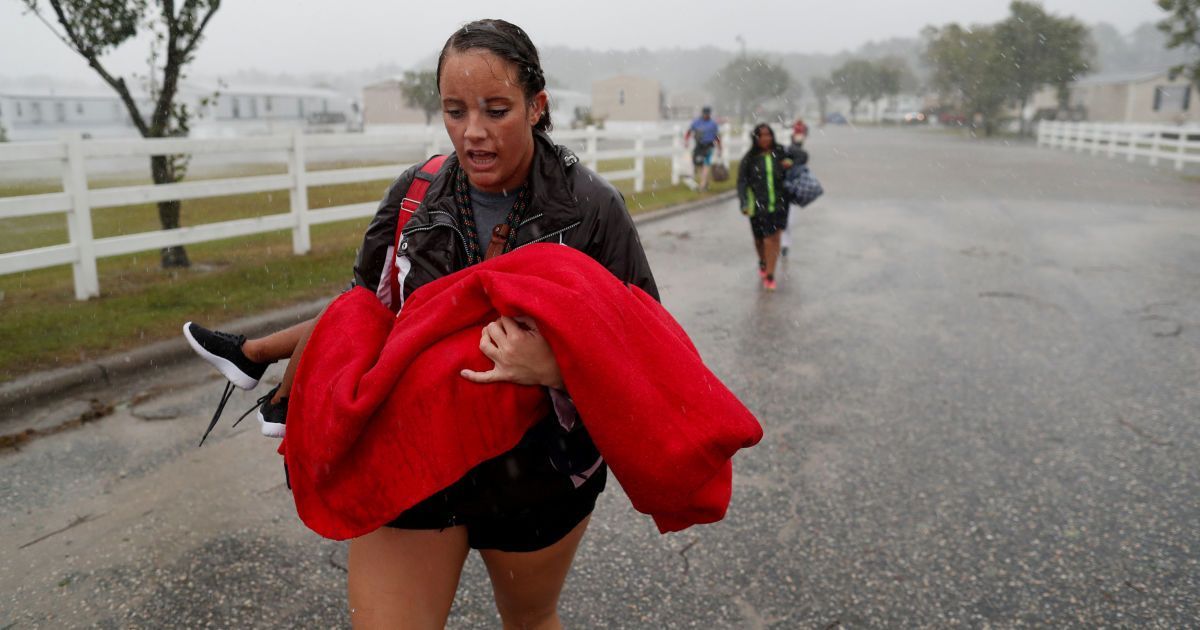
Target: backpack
{"type": "Point", "coordinates": [412, 201]}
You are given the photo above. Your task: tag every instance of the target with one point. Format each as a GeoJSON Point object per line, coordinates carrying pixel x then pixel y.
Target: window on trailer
{"type": "Point", "coordinates": [1172, 98]}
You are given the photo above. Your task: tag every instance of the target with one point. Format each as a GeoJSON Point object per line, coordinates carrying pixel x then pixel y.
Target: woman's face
{"type": "Point", "coordinates": [766, 139]}
{"type": "Point", "coordinates": [488, 118]}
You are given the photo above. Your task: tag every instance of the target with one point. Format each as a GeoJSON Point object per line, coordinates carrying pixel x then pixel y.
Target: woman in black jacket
{"type": "Point", "coordinates": [506, 186]}
{"type": "Point", "coordinates": [761, 195]}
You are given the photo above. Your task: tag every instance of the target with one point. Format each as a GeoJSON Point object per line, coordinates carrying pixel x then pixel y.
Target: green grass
{"type": "Point", "coordinates": [43, 326]}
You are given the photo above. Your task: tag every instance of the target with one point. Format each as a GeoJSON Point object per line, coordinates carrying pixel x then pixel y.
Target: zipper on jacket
{"type": "Point", "coordinates": [532, 218]}
{"type": "Point", "coordinates": [425, 228]}
{"type": "Point", "coordinates": [549, 236]}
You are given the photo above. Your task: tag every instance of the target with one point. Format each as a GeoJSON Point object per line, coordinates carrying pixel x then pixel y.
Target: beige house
{"type": "Point", "coordinates": [1145, 97]}
{"type": "Point", "coordinates": [383, 104]}
{"type": "Point", "coordinates": [686, 104]}
{"type": "Point", "coordinates": [627, 98]}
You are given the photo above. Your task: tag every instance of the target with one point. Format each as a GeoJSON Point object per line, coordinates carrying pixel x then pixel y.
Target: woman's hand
{"type": "Point", "coordinates": [520, 354]}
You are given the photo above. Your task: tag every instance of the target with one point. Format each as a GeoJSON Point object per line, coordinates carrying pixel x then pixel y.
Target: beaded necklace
{"type": "Point", "coordinates": [504, 235]}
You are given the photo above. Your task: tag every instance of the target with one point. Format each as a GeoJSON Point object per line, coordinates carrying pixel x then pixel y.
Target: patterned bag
{"type": "Point", "coordinates": [804, 188]}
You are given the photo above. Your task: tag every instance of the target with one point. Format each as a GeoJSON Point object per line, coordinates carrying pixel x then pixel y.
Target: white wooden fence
{"type": "Point", "coordinates": [77, 200]}
{"type": "Point", "coordinates": [1180, 144]}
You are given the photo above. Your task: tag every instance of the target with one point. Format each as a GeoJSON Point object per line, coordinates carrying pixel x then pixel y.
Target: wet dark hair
{"type": "Point", "coordinates": [757, 133]}
{"type": "Point", "coordinates": [509, 42]}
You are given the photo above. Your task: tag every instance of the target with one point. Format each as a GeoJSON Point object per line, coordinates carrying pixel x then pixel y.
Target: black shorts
{"type": "Point", "coordinates": [518, 501]}
{"type": "Point", "coordinates": [764, 224]}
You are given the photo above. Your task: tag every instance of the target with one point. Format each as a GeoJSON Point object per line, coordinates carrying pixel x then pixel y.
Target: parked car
{"type": "Point", "coordinates": [836, 118]}
{"type": "Point", "coordinates": [952, 118]}
{"type": "Point", "coordinates": [904, 118]}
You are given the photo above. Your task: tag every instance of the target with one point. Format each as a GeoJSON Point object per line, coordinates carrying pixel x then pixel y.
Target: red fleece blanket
{"type": "Point", "coordinates": [379, 417]}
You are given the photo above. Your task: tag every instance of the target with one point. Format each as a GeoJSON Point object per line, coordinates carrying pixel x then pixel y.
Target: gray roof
{"type": "Point", "coordinates": [1110, 78]}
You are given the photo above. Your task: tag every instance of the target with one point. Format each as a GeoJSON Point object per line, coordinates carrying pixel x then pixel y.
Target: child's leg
{"type": "Point", "coordinates": [302, 331]}
{"type": "Point", "coordinates": [786, 241]}
{"type": "Point", "coordinates": [771, 250]}
{"type": "Point", "coordinates": [277, 345]}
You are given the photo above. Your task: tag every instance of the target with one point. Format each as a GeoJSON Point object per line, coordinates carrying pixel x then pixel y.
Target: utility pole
{"type": "Point", "coordinates": [741, 42]}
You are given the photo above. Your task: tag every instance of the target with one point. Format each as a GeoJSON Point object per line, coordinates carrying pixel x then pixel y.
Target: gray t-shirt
{"type": "Point", "coordinates": [490, 210]}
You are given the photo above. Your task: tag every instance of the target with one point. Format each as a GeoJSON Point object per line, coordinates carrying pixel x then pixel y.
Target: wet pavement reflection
{"type": "Point", "coordinates": [978, 380]}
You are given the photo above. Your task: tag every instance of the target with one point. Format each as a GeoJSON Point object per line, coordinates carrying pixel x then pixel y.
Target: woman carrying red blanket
{"type": "Point", "coordinates": [507, 185]}
{"type": "Point", "coordinates": [394, 443]}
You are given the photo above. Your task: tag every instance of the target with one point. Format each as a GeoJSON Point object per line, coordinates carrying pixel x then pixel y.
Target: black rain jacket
{"type": "Point", "coordinates": [570, 204]}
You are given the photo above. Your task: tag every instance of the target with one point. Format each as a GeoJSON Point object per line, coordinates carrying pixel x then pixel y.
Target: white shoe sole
{"type": "Point", "coordinates": [270, 429]}
{"type": "Point", "coordinates": [225, 366]}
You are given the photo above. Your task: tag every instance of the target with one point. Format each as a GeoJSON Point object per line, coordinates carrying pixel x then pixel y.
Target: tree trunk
{"type": "Point", "coordinates": [1024, 104]}
{"type": "Point", "coordinates": [163, 172]}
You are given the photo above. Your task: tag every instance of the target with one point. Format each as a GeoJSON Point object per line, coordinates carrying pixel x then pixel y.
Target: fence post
{"type": "Point", "coordinates": [1132, 148]}
{"type": "Point", "coordinates": [1041, 134]}
{"type": "Point", "coordinates": [1154, 146]}
{"type": "Point", "coordinates": [1112, 139]}
{"type": "Point", "coordinates": [301, 239]}
{"type": "Point", "coordinates": [676, 161]}
{"type": "Point", "coordinates": [1097, 135]}
{"type": "Point", "coordinates": [639, 162]}
{"type": "Point", "coordinates": [592, 141]}
{"type": "Point", "coordinates": [1180, 145]}
{"type": "Point", "coordinates": [79, 219]}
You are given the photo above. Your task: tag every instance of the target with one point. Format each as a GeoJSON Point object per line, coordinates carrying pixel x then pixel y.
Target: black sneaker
{"type": "Point", "coordinates": [224, 352]}
{"type": "Point", "coordinates": [272, 416]}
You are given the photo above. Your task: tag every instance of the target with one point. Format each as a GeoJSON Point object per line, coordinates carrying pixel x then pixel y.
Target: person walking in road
{"type": "Point", "coordinates": [761, 197]}
{"type": "Point", "coordinates": [707, 135]}
{"type": "Point", "coordinates": [799, 158]}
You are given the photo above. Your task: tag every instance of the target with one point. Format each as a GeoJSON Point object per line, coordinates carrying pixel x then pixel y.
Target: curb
{"type": "Point", "coordinates": [670, 211]}
{"type": "Point", "coordinates": [29, 390]}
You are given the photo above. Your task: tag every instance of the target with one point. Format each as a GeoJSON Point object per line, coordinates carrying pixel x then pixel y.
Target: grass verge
{"type": "Point", "coordinates": [42, 326]}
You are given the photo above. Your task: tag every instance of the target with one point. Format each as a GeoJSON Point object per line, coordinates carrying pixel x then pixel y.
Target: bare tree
{"type": "Point", "coordinates": [92, 28]}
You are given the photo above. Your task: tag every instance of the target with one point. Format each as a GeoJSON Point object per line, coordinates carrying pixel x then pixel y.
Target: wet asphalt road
{"type": "Point", "coordinates": [978, 380]}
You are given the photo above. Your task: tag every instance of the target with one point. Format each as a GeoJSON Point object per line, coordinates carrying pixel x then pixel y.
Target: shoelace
{"type": "Point", "coordinates": [229, 387]}
{"type": "Point", "coordinates": [236, 340]}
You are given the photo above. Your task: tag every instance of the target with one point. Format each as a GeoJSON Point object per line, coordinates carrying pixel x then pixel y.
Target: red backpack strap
{"type": "Point", "coordinates": [412, 200]}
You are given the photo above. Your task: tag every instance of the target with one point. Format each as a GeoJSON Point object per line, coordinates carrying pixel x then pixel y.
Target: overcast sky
{"type": "Point", "coordinates": [301, 36]}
